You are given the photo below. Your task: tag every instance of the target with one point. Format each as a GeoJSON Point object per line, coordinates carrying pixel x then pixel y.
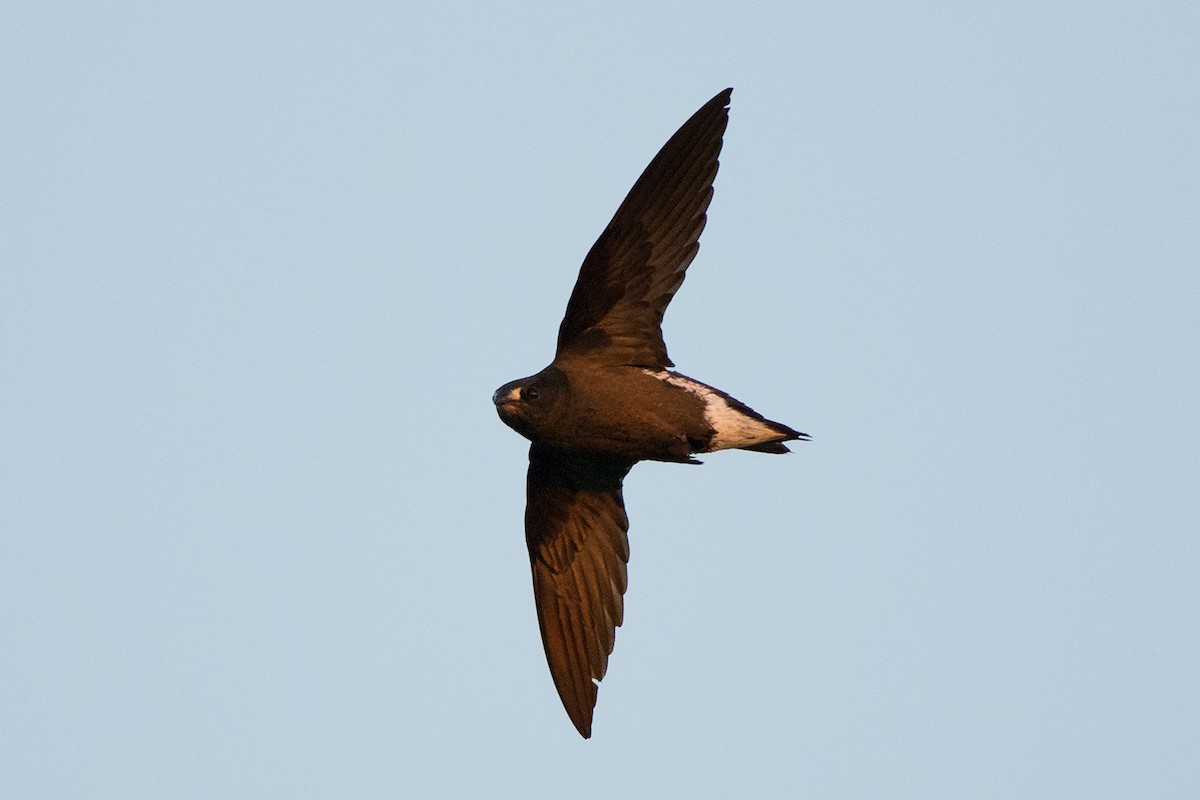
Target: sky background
{"type": "Point", "coordinates": [262, 266]}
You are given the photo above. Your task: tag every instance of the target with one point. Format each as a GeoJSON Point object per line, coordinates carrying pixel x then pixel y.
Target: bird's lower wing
{"type": "Point", "coordinates": [575, 526]}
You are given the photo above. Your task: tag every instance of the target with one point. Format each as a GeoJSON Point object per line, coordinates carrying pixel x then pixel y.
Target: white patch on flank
{"type": "Point", "coordinates": [733, 428]}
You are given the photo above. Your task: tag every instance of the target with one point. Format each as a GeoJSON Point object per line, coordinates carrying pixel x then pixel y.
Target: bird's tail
{"type": "Point", "coordinates": [739, 427]}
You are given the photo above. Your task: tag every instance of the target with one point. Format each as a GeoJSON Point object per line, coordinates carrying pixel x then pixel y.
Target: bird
{"type": "Point", "coordinates": [610, 399]}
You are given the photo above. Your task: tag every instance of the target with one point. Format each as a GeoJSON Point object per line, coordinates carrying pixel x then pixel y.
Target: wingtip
{"type": "Point", "coordinates": [583, 724]}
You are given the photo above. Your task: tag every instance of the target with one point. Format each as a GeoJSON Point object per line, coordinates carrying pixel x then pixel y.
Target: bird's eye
{"type": "Point", "coordinates": [529, 393]}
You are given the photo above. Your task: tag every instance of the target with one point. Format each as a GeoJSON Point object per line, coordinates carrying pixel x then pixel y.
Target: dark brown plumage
{"type": "Point", "coordinates": [634, 269]}
{"type": "Point", "coordinates": [608, 400]}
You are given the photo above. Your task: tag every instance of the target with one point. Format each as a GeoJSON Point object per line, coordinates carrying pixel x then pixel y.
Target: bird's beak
{"type": "Point", "coordinates": [505, 394]}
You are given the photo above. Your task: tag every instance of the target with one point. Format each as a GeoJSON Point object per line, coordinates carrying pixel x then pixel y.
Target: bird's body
{"type": "Point", "coordinates": [635, 413]}
{"type": "Point", "coordinates": [609, 399]}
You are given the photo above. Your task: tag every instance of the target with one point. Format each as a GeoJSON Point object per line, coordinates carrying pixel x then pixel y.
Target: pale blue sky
{"type": "Point", "coordinates": [262, 267]}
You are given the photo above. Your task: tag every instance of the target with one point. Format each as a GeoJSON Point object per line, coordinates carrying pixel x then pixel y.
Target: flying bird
{"type": "Point", "coordinates": [610, 399]}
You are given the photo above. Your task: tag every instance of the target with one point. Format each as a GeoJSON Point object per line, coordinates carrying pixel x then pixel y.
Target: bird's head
{"type": "Point", "coordinates": [530, 404]}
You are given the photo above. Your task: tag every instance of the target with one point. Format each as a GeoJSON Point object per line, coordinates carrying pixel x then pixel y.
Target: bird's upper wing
{"type": "Point", "coordinates": [616, 309]}
{"type": "Point", "coordinates": [575, 527]}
